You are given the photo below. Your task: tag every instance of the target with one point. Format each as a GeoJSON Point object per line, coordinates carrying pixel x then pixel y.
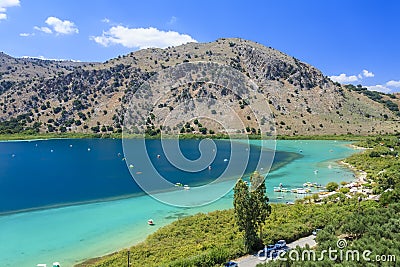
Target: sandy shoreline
{"type": "Point", "coordinates": [360, 175]}
{"type": "Point", "coordinates": [357, 147]}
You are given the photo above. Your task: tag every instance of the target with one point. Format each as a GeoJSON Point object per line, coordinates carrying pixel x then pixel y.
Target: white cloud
{"type": "Point", "coordinates": [43, 29]}
{"type": "Point", "coordinates": [343, 78]}
{"type": "Point", "coordinates": [379, 88]}
{"type": "Point", "coordinates": [106, 20]}
{"type": "Point", "coordinates": [367, 74]}
{"type": "Point", "coordinates": [61, 26]}
{"type": "Point", "coordinates": [25, 34]}
{"type": "Point", "coordinates": [393, 84]}
{"type": "Point", "coordinates": [172, 20]}
{"type": "Point", "coordinates": [52, 59]}
{"type": "Point", "coordinates": [141, 37]}
{"type": "Point", "coordinates": [4, 4]}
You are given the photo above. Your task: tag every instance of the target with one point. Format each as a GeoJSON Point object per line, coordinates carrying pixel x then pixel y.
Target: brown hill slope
{"type": "Point", "coordinates": [92, 98]}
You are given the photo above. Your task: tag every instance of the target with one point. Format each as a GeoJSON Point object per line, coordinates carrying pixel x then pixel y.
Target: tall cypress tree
{"type": "Point", "coordinates": [244, 215]}
{"type": "Point", "coordinates": [258, 197]}
{"type": "Point", "coordinates": [251, 209]}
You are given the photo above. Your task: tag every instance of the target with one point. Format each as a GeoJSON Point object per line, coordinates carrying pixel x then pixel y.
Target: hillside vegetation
{"type": "Point", "coordinates": [56, 97]}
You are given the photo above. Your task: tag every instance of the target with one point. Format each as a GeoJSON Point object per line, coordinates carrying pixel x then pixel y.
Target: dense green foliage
{"type": "Point", "coordinates": [372, 227]}
{"type": "Point", "coordinates": [332, 186]}
{"type": "Point", "coordinates": [244, 216]}
{"type": "Point", "coordinates": [19, 125]}
{"type": "Point", "coordinates": [382, 165]}
{"type": "Point", "coordinates": [260, 201]}
{"type": "Point", "coordinates": [251, 209]}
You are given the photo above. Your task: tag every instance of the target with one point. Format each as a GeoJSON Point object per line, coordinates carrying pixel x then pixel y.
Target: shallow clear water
{"type": "Point", "coordinates": [73, 233]}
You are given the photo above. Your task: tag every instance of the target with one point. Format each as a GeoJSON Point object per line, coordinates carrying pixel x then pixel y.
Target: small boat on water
{"type": "Point", "coordinates": [150, 222]}
{"type": "Point", "coordinates": [293, 190]}
{"type": "Point", "coordinates": [285, 190]}
{"type": "Point", "coordinates": [308, 184]}
{"type": "Point", "coordinates": [178, 184]}
{"type": "Point", "coordinates": [277, 189]}
{"type": "Point", "coordinates": [280, 197]}
{"type": "Point", "coordinates": [316, 185]}
{"type": "Point", "coordinates": [301, 191]}
{"type": "Point", "coordinates": [158, 156]}
{"type": "Point", "coordinates": [186, 187]}
{"type": "Point", "coordinates": [225, 160]}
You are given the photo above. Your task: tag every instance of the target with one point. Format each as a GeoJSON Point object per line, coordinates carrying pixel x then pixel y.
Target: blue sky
{"type": "Point", "coordinates": [351, 41]}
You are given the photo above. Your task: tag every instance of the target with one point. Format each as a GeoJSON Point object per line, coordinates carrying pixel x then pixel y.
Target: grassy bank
{"type": "Point", "coordinates": [345, 137]}
{"type": "Point", "coordinates": [31, 136]}
{"type": "Point", "coordinates": [24, 136]}
{"type": "Point", "coordinates": [210, 239]}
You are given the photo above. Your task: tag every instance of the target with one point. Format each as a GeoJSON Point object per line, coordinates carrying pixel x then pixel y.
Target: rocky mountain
{"type": "Point", "coordinates": [21, 69]}
{"type": "Point", "coordinates": [47, 96]}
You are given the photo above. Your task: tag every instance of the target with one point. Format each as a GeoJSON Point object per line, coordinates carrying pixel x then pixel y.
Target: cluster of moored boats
{"type": "Point", "coordinates": [302, 190]}
{"type": "Point", "coordinates": [186, 187]}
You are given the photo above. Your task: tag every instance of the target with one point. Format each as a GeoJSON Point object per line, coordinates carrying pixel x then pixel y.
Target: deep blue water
{"type": "Point", "coordinates": [36, 174]}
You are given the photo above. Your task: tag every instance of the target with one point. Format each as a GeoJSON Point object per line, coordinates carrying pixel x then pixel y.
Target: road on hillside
{"type": "Point", "coordinates": [252, 261]}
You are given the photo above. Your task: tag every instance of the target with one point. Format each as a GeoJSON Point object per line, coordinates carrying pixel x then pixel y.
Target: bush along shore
{"type": "Point", "coordinates": [367, 219]}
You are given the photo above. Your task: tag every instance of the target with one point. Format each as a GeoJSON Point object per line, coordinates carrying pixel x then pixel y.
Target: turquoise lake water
{"type": "Point", "coordinates": [72, 233]}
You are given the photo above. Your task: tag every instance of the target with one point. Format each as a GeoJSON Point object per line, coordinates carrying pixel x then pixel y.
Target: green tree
{"type": "Point", "coordinates": [244, 215]}
{"type": "Point", "coordinates": [259, 200]}
{"type": "Point", "coordinates": [390, 196]}
{"type": "Point", "coordinates": [344, 190]}
{"type": "Point", "coordinates": [332, 186]}
{"type": "Point", "coordinates": [315, 197]}
{"type": "Point", "coordinates": [251, 209]}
